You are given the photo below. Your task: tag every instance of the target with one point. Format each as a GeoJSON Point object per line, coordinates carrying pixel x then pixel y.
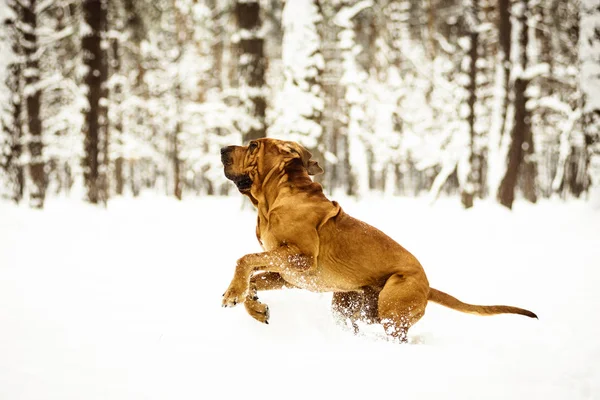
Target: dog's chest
{"type": "Point", "coordinates": [266, 240]}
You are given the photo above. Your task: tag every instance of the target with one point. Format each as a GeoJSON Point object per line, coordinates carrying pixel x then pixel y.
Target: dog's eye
{"type": "Point", "coordinates": [252, 146]}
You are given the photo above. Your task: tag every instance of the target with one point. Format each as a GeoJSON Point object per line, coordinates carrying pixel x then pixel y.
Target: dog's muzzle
{"type": "Point", "coordinates": [243, 182]}
{"type": "Point", "coordinates": [226, 156]}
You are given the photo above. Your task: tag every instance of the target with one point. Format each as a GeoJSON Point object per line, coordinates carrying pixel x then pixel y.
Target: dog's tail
{"type": "Point", "coordinates": [451, 302]}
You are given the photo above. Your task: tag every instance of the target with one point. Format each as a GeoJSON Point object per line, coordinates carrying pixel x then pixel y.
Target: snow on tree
{"type": "Point", "coordinates": [354, 79]}
{"type": "Point", "coordinates": [27, 24]}
{"type": "Point", "coordinates": [132, 142]}
{"type": "Point", "coordinates": [215, 118]}
{"type": "Point", "coordinates": [118, 33]}
{"type": "Point", "coordinates": [300, 103]}
{"type": "Point", "coordinates": [589, 54]}
{"type": "Point", "coordinates": [191, 77]}
{"type": "Point", "coordinates": [395, 94]}
{"type": "Point", "coordinates": [12, 175]}
{"type": "Point", "coordinates": [471, 185]}
{"type": "Point", "coordinates": [386, 89]}
{"type": "Point", "coordinates": [520, 135]}
{"type": "Point", "coordinates": [252, 65]}
{"type": "Point", "coordinates": [58, 102]}
{"type": "Point", "coordinates": [63, 97]}
{"type": "Point", "coordinates": [497, 144]}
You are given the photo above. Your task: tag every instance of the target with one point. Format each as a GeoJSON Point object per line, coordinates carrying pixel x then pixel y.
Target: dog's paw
{"type": "Point", "coordinates": [257, 310]}
{"type": "Point", "coordinates": [234, 295]}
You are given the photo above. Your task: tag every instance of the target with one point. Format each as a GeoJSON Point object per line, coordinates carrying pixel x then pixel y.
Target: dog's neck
{"type": "Point", "coordinates": [291, 180]}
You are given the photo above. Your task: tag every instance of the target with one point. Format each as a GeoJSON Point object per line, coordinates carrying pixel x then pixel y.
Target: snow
{"type": "Point", "coordinates": [344, 17]}
{"type": "Point", "coordinates": [589, 50]}
{"type": "Point", "coordinates": [124, 303]}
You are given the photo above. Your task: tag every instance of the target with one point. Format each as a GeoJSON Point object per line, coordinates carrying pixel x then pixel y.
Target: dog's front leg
{"type": "Point", "coordinates": [259, 282]}
{"type": "Point", "coordinates": [278, 260]}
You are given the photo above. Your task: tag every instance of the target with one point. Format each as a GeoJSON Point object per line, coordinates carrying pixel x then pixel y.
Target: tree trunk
{"type": "Point", "coordinates": [252, 66]}
{"type": "Point", "coordinates": [177, 182]}
{"type": "Point", "coordinates": [217, 47]}
{"type": "Point", "coordinates": [33, 100]}
{"type": "Point", "coordinates": [117, 97]}
{"type": "Point", "coordinates": [96, 116]}
{"type": "Point", "coordinates": [521, 131]}
{"type": "Point", "coordinates": [529, 166]}
{"type": "Point", "coordinates": [134, 179]}
{"type": "Point", "coordinates": [529, 170]}
{"type": "Point", "coordinates": [505, 33]}
{"type": "Point", "coordinates": [497, 136]}
{"type": "Point", "coordinates": [473, 184]}
{"type": "Point", "coordinates": [333, 97]}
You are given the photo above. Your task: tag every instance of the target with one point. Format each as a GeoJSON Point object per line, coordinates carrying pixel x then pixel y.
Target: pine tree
{"type": "Point", "coordinates": [300, 103]}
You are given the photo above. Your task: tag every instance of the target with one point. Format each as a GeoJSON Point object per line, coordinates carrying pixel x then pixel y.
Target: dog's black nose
{"type": "Point", "coordinates": [226, 155]}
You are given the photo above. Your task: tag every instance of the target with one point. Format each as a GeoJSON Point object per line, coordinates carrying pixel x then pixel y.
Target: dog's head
{"type": "Point", "coordinates": [249, 165]}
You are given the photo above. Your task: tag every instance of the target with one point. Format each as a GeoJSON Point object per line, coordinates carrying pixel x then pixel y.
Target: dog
{"type": "Point", "coordinates": [309, 242]}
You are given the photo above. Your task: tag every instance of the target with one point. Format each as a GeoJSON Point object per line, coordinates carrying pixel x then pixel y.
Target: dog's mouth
{"type": "Point", "coordinates": [243, 182]}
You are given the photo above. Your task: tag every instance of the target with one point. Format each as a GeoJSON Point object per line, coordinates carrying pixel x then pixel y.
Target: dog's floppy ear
{"type": "Point", "coordinates": [299, 151]}
{"type": "Point", "coordinates": [314, 168]}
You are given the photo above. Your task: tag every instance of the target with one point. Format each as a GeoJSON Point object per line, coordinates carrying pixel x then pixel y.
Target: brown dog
{"type": "Point", "coordinates": [311, 243]}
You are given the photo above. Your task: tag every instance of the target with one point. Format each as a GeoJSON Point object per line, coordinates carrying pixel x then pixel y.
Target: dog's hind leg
{"type": "Point", "coordinates": [262, 281]}
{"type": "Point", "coordinates": [351, 307]}
{"type": "Point", "coordinates": [346, 307]}
{"type": "Point", "coordinates": [402, 303]}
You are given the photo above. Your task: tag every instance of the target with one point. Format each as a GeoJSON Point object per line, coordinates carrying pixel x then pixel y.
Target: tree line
{"type": "Point", "coordinates": [467, 98]}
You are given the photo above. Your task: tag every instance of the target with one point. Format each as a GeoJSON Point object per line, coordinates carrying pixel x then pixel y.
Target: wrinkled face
{"type": "Point", "coordinates": [245, 164]}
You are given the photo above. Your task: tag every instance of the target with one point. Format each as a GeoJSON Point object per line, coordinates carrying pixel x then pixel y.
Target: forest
{"type": "Point", "coordinates": [472, 99]}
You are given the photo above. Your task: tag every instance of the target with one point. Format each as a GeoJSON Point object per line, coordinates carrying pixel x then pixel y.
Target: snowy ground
{"type": "Point", "coordinates": [124, 303]}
